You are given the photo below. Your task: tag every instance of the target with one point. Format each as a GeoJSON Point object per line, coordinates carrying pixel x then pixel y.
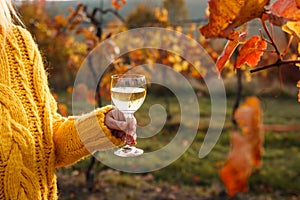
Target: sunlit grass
{"type": "Point", "coordinates": [276, 179]}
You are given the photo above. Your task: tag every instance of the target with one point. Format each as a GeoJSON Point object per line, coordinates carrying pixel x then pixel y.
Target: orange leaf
{"type": "Point", "coordinates": [287, 9]}
{"type": "Point", "coordinates": [225, 15]}
{"type": "Point", "coordinates": [250, 10]}
{"type": "Point", "coordinates": [230, 46]}
{"type": "Point", "coordinates": [63, 110]}
{"type": "Point", "coordinates": [219, 18]}
{"type": "Point", "coordinates": [298, 3]}
{"type": "Point", "coordinates": [60, 20]}
{"type": "Point", "coordinates": [118, 4]}
{"type": "Point", "coordinates": [238, 166]}
{"type": "Point", "coordinates": [246, 149]}
{"type": "Point", "coordinates": [226, 54]}
{"type": "Point", "coordinates": [249, 117]}
{"type": "Point", "coordinates": [251, 52]}
{"type": "Point", "coordinates": [55, 96]}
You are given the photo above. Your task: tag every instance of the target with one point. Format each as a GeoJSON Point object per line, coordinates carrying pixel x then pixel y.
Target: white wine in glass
{"type": "Point", "coordinates": [128, 92]}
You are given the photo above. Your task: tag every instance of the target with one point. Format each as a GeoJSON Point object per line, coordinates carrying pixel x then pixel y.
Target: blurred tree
{"type": "Point", "coordinates": [141, 16]}
{"type": "Point", "coordinates": [177, 10]}
{"type": "Point", "coordinates": [62, 55]}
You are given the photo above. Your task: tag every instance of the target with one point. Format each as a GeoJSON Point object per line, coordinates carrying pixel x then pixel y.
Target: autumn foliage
{"type": "Point", "coordinates": [246, 148]}
{"type": "Point", "coordinates": [227, 19]}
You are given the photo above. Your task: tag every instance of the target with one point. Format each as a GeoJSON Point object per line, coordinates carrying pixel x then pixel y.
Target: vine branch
{"type": "Point", "coordinates": [278, 63]}
{"type": "Point", "coordinates": [271, 38]}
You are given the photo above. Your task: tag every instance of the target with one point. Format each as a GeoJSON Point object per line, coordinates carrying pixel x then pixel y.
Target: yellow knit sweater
{"type": "Point", "coordinates": [34, 138]}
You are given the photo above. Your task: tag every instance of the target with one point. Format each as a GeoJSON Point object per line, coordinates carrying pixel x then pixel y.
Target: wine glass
{"type": "Point", "coordinates": [128, 92]}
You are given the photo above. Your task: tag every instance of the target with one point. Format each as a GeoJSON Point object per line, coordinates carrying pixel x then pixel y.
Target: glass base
{"type": "Point", "coordinates": [129, 151]}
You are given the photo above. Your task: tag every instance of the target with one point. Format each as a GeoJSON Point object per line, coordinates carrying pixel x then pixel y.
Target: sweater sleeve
{"type": "Point", "coordinates": [76, 137]}
{"type": "Point", "coordinates": [73, 137]}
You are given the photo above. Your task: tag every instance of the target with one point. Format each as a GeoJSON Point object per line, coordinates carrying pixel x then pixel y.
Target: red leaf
{"type": "Point", "coordinates": [287, 9]}
{"type": "Point", "coordinates": [251, 52]}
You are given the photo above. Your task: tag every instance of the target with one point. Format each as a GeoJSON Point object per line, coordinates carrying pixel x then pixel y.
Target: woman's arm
{"type": "Point", "coordinates": [73, 137]}
{"type": "Point", "coordinates": [76, 137]}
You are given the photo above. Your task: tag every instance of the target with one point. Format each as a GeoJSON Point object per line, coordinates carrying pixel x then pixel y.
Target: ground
{"type": "Point", "coordinates": [190, 177]}
{"type": "Point", "coordinates": [110, 185]}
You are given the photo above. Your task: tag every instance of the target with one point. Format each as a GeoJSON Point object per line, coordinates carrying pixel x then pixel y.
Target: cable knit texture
{"type": "Point", "coordinates": [34, 138]}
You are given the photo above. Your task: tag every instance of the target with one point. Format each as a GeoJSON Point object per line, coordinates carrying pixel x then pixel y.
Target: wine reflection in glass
{"type": "Point", "coordinates": [128, 92]}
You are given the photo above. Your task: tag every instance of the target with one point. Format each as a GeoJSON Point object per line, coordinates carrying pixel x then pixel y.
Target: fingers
{"type": "Point", "coordinates": [119, 134]}
{"type": "Point", "coordinates": [131, 131]}
{"type": "Point", "coordinates": [131, 125]}
{"type": "Point", "coordinates": [118, 115]}
{"type": "Point", "coordinates": [114, 119]}
{"type": "Point", "coordinates": [125, 129]}
{"type": "Point", "coordinates": [127, 138]}
{"type": "Point", "coordinates": [116, 125]}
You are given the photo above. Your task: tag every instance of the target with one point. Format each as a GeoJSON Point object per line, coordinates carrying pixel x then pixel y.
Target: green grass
{"type": "Point", "coordinates": [276, 179]}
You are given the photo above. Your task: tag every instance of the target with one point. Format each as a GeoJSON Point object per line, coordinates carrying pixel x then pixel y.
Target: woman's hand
{"type": "Point", "coordinates": [122, 128]}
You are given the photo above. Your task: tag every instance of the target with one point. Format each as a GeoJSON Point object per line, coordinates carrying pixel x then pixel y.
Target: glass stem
{"type": "Point", "coordinates": [128, 117]}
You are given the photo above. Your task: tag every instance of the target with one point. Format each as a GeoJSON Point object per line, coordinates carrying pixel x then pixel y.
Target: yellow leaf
{"type": "Point", "coordinates": [185, 65]}
{"type": "Point", "coordinates": [177, 67]}
{"type": "Point", "coordinates": [292, 28]}
{"type": "Point", "coordinates": [171, 59]}
{"type": "Point", "coordinates": [174, 58]}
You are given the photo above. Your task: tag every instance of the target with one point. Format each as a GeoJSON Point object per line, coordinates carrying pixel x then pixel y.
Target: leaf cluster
{"type": "Point", "coordinates": [227, 19]}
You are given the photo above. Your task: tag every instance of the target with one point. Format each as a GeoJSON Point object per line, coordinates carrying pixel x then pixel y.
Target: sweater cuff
{"type": "Point", "coordinates": [101, 113]}
{"type": "Point", "coordinates": [93, 132]}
